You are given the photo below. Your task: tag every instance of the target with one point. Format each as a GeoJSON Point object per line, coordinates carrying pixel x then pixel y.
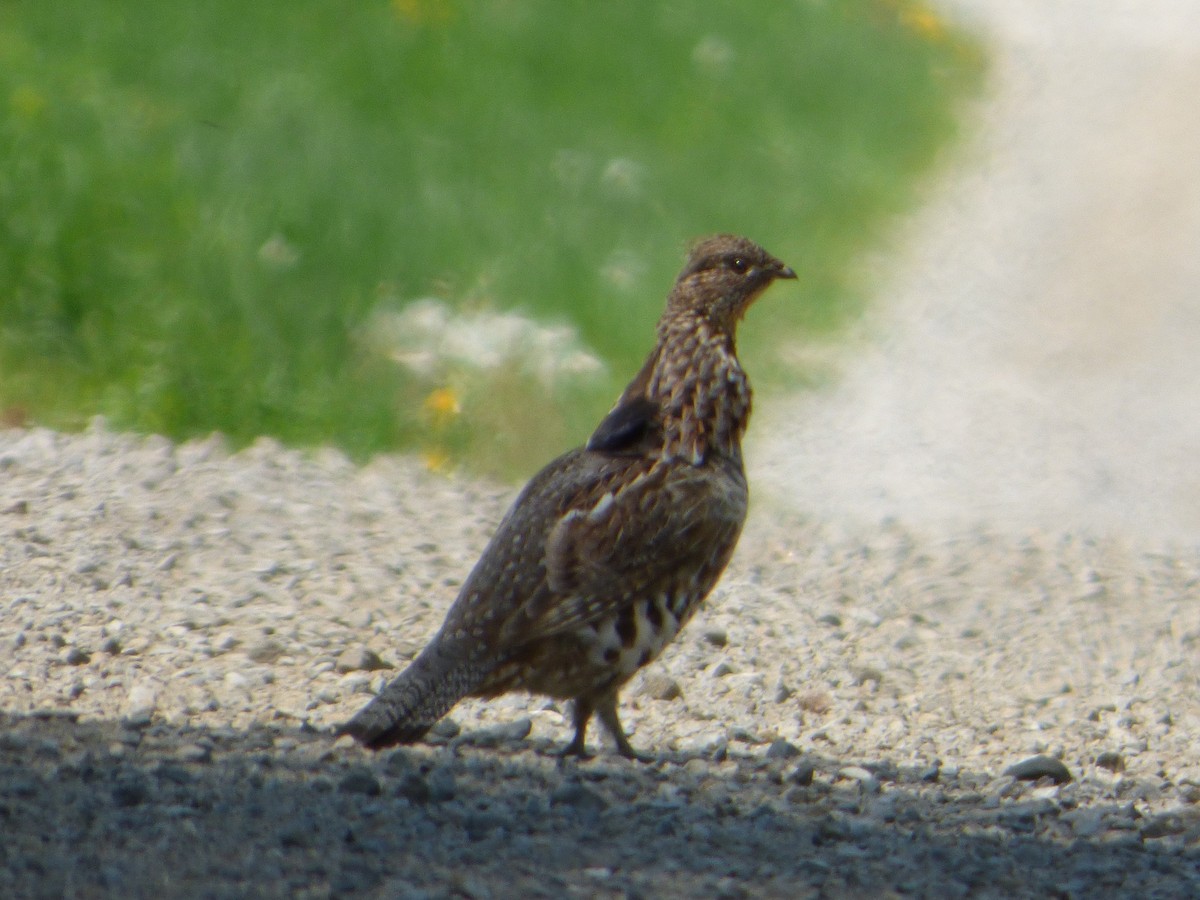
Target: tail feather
{"type": "Point", "coordinates": [412, 703]}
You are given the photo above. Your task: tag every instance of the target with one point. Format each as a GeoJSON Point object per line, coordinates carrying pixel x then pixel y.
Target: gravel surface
{"type": "Point", "coordinates": [882, 699]}
{"type": "Point", "coordinates": [856, 713]}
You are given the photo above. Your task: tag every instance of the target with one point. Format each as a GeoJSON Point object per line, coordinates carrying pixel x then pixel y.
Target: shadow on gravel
{"type": "Point", "coordinates": [100, 809]}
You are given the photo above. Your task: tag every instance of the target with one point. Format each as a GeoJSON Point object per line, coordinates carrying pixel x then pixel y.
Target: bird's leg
{"type": "Point", "coordinates": [606, 709]}
{"type": "Point", "coordinates": [581, 712]}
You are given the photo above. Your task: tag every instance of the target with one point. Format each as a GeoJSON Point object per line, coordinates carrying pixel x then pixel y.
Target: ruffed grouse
{"type": "Point", "coordinates": [610, 549]}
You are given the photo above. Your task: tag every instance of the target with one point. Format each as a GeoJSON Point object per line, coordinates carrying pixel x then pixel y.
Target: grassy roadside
{"type": "Point", "coordinates": [220, 215]}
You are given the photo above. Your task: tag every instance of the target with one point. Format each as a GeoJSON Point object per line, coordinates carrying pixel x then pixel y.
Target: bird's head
{"type": "Point", "coordinates": [723, 275]}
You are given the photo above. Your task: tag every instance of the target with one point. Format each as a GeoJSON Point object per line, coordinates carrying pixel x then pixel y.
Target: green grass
{"type": "Point", "coordinates": [208, 209]}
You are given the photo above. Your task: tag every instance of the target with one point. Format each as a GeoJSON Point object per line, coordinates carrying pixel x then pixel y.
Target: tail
{"type": "Point", "coordinates": [411, 703]}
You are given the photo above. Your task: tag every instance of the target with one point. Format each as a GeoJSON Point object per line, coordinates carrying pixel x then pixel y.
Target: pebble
{"type": "Point", "coordinates": [865, 778]}
{"type": "Point", "coordinates": [267, 651]}
{"type": "Point", "coordinates": [446, 729]}
{"type": "Point", "coordinates": [141, 703]}
{"type": "Point", "coordinates": [659, 686]}
{"type": "Point", "coordinates": [414, 788]}
{"type": "Point", "coordinates": [360, 659]}
{"type": "Point", "coordinates": [1110, 760]}
{"type": "Point", "coordinates": [443, 786]}
{"type": "Point", "coordinates": [781, 749]}
{"type": "Point", "coordinates": [236, 680]}
{"type": "Point", "coordinates": [360, 780]}
{"type": "Point", "coordinates": [174, 774]}
{"type": "Point", "coordinates": [1036, 767]}
{"type": "Point", "coordinates": [76, 656]}
{"type": "Point", "coordinates": [781, 691]}
{"type": "Point", "coordinates": [867, 675]}
{"type": "Point", "coordinates": [720, 669]}
{"type": "Point", "coordinates": [508, 733]}
{"type": "Point", "coordinates": [131, 790]}
{"type": "Point", "coordinates": [194, 753]}
{"type": "Point", "coordinates": [801, 774]}
{"type": "Point", "coordinates": [575, 795]}
{"type": "Point", "coordinates": [226, 642]}
{"type": "Point", "coordinates": [1086, 822]}
{"type": "Point", "coordinates": [479, 825]}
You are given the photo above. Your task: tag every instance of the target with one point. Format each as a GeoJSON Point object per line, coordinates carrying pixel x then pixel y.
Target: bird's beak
{"type": "Point", "coordinates": [785, 272]}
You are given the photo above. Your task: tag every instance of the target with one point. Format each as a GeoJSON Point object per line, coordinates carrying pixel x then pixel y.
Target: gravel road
{"type": "Point", "coordinates": [1031, 358]}
{"type": "Point", "coordinates": [946, 662]}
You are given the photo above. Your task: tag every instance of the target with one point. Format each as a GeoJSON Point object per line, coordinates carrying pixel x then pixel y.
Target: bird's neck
{"type": "Point", "coordinates": [701, 391]}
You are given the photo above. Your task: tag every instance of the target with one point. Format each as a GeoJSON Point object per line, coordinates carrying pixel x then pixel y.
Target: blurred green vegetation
{"type": "Point", "coordinates": [207, 210]}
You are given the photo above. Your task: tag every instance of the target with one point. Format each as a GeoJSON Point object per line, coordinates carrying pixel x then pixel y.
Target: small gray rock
{"type": "Point", "coordinates": [14, 741]}
{"type": "Point", "coordinates": [296, 835]}
{"type": "Point", "coordinates": [266, 651]}
{"type": "Point", "coordinates": [175, 774]}
{"type": "Point", "coordinates": [1111, 760]}
{"type": "Point", "coordinates": [414, 788]}
{"type": "Point", "coordinates": [131, 791]}
{"type": "Point", "coordinates": [865, 778]}
{"type": "Point", "coordinates": [194, 753]}
{"type": "Point", "coordinates": [1036, 767]}
{"type": "Point", "coordinates": [443, 730]}
{"type": "Point", "coordinates": [23, 788]}
{"type": "Point", "coordinates": [1166, 825]}
{"type": "Point", "coordinates": [76, 656]}
{"type": "Point", "coordinates": [225, 643]}
{"type": "Point", "coordinates": [1085, 822]}
{"type": "Point", "coordinates": [660, 686]}
{"type": "Point", "coordinates": [866, 674]}
{"type": "Point", "coordinates": [55, 713]}
{"type": "Point", "coordinates": [508, 733]}
{"type": "Point", "coordinates": [575, 795]}
{"type": "Point", "coordinates": [141, 703]}
{"type": "Point", "coordinates": [236, 681]}
{"type": "Point", "coordinates": [802, 773]}
{"type": "Point", "coordinates": [360, 781]}
{"type": "Point", "coordinates": [478, 825]}
{"type": "Point", "coordinates": [781, 749]}
{"type": "Point", "coordinates": [720, 669]}
{"type": "Point", "coordinates": [397, 763]}
{"type": "Point", "coordinates": [360, 659]}
{"type": "Point", "coordinates": [442, 786]}
{"type": "Point", "coordinates": [87, 566]}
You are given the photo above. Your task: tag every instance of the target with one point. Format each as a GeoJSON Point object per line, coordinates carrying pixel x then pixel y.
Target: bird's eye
{"type": "Point", "coordinates": [739, 265]}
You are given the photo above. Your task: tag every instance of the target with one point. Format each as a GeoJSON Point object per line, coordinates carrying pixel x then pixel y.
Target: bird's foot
{"type": "Point", "coordinates": [627, 751]}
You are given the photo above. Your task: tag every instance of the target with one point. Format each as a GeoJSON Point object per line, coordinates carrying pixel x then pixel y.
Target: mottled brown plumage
{"type": "Point", "coordinates": [611, 548]}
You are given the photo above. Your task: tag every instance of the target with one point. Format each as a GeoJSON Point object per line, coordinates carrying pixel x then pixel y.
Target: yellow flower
{"type": "Point", "coordinates": [442, 406]}
{"type": "Point", "coordinates": [436, 460]}
{"type": "Point", "coordinates": [924, 21]}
